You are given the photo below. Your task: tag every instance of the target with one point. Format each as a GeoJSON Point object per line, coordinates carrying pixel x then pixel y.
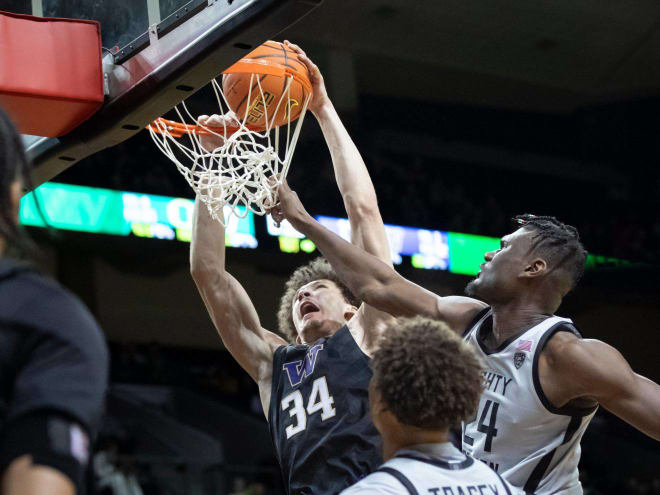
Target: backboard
{"type": "Point", "coordinates": [156, 53]}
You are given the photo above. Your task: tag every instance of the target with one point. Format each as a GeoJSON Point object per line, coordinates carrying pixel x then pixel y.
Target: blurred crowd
{"type": "Point", "coordinates": [416, 189]}
{"type": "Point", "coordinates": [211, 372]}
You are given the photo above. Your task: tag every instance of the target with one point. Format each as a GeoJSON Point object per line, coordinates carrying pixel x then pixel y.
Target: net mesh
{"type": "Point", "coordinates": [244, 165]}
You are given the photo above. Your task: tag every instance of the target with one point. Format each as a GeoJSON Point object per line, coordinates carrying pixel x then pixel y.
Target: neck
{"type": "Point", "coordinates": [514, 317]}
{"type": "Point", "coordinates": [410, 436]}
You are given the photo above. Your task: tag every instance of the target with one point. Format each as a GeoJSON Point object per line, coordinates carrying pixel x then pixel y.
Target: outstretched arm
{"type": "Point", "coordinates": [371, 279]}
{"type": "Point", "coordinates": [593, 369]}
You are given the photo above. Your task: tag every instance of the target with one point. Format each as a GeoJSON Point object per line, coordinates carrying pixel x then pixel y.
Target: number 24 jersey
{"type": "Point", "coordinates": [516, 430]}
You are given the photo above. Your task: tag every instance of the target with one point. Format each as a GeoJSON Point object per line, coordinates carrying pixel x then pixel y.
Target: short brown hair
{"type": "Point", "coordinates": [317, 269]}
{"type": "Point", "coordinates": [426, 375]}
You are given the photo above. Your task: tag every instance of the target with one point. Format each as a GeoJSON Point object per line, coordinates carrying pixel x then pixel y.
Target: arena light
{"type": "Point", "coordinates": [105, 211]}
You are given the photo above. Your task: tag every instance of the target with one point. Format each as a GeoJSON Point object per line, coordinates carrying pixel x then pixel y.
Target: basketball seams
{"type": "Point", "coordinates": [255, 86]}
{"type": "Point", "coordinates": [282, 56]}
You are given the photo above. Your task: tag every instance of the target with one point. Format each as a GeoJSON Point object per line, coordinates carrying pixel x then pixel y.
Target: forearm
{"type": "Point", "coordinates": [641, 406]}
{"type": "Point", "coordinates": [207, 244]}
{"type": "Point", "coordinates": [359, 270]}
{"type": "Point", "coordinates": [351, 173]}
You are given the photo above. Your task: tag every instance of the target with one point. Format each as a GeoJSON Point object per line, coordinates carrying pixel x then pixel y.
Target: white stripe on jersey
{"type": "Point", "coordinates": [516, 431]}
{"type": "Point", "coordinates": [432, 469]}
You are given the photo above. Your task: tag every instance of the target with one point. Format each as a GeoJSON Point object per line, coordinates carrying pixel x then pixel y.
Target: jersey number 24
{"type": "Point", "coordinates": [319, 400]}
{"type": "Point", "coordinates": [489, 429]}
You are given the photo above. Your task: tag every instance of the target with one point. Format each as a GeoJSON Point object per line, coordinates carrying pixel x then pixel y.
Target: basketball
{"type": "Point", "coordinates": [236, 88]}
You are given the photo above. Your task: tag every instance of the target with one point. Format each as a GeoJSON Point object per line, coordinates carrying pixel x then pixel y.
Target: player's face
{"type": "Point", "coordinates": [319, 309]}
{"type": "Point", "coordinates": [499, 278]}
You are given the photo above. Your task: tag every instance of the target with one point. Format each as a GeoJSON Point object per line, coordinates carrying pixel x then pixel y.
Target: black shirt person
{"type": "Point", "coordinates": [53, 358]}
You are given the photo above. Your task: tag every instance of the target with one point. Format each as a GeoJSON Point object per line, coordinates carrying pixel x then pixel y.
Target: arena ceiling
{"type": "Point", "coordinates": [547, 55]}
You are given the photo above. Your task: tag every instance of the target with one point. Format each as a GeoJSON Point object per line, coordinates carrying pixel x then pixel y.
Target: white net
{"type": "Point", "coordinates": [246, 164]}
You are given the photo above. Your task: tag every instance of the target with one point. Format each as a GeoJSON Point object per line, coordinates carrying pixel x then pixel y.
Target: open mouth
{"type": "Point", "coordinates": [307, 308]}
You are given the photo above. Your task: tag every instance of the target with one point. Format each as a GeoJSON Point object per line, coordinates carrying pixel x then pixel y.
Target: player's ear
{"type": "Point", "coordinates": [536, 268]}
{"type": "Point", "coordinates": [298, 340]}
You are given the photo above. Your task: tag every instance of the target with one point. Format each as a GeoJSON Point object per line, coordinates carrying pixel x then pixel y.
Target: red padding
{"type": "Point", "coordinates": [51, 77]}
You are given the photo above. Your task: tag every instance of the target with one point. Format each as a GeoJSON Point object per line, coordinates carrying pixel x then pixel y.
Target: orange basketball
{"type": "Point", "coordinates": [236, 87]}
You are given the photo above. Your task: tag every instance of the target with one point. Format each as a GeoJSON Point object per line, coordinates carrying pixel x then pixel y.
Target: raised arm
{"type": "Point", "coordinates": [353, 179]}
{"type": "Point", "coordinates": [371, 279]}
{"type": "Point", "coordinates": [592, 369]}
{"type": "Point", "coordinates": [229, 306]}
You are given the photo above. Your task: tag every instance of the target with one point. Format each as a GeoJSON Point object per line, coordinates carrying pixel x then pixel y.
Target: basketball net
{"type": "Point", "coordinates": [243, 173]}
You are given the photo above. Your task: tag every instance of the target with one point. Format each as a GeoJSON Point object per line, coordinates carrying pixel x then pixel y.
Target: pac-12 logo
{"type": "Point", "coordinates": [297, 371]}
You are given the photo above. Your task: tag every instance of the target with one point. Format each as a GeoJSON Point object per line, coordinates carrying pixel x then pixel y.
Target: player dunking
{"type": "Point", "coordinates": [314, 394]}
{"type": "Point", "coordinates": [543, 381]}
{"type": "Point", "coordinates": [425, 380]}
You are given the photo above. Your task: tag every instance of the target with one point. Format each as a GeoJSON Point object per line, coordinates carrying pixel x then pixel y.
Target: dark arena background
{"type": "Point", "coordinates": [466, 113]}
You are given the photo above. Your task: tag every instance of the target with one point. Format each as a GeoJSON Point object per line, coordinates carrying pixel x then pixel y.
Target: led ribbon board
{"type": "Point", "coordinates": [105, 211]}
{"type": "Point", "coordinates": [428, 248]}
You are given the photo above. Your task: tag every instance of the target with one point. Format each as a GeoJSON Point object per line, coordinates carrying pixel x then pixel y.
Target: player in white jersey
{"type": "Point", "coordinates": [425, 379]}
{"type": "Point", "coordinates": [543, 383]}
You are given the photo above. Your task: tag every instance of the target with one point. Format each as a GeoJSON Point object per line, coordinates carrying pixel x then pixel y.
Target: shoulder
{"type": "Point", "coordinates": [461, 313]}
{"type": "Point", "coordinates": [377, 482]}
{"type": "Point", "coordinates": [590, 367]}
{"type": "Point", "coordinates": [567, 350]}
{"type": "Point", "coordinates": [367, 325]}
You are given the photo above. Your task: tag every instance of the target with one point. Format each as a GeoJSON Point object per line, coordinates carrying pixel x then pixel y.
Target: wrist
{"type": "Point", "coordinates": [301, 222]}
{"type": "Point", "coordinates": [323, 111]}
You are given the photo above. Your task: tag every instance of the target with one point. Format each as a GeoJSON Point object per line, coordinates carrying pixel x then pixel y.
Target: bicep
{"type": "Point", "coordinates": [405, 298]}
{"type": "Point", "coordinates": [606, 375]}
{"type": "Point", "coordinates": [238, 325]}
{"type": "Point", "coordinates": [401, 297]}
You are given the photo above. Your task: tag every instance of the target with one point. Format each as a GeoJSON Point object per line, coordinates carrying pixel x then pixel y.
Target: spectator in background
{"type": "Point", "coordinates": [53, 357]}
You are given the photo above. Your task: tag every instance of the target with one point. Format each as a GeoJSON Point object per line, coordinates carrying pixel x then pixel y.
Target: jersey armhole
{"type": "Point", "coordinates": [564, 410]}
{"type": "Point", "coordinates": [480, 315]}
{"type": "Point", "coordinates": [275, 380]}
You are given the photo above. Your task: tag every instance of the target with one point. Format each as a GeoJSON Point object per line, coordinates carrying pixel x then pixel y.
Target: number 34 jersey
{"type": "Point", "coordinates": [319, 415]}
{"type": "Point", "coordinates": [516, 430]}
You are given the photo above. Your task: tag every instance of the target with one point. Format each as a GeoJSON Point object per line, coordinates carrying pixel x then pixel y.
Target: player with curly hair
{"type": "Point", "coordinates": [426, 379]}
{"type": "Point", "coordinates": [543, 381]}
{"type": "Point", "coordinates": [313, 387]}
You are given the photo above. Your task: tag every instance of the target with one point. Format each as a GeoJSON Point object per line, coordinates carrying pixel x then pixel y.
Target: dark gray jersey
{"type": "Point", "coordinates": [319, 415]}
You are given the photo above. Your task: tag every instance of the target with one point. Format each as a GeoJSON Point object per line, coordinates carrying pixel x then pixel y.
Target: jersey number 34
{"type": "Point", "coordinates": [319, 400]}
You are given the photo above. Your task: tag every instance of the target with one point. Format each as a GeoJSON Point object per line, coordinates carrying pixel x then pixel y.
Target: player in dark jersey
{"type": "Point", "coordinates": [565, 379]}
{"type": "Point", "coordinates": [53, 358]}
{"type": "Point", "coordinates": [314, 393]}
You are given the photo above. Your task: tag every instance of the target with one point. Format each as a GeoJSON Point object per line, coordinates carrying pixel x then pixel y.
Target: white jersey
{"type": "Point", "coordinates": [432, 469]}
{"type": "Point", "coordinates": [517, 431]}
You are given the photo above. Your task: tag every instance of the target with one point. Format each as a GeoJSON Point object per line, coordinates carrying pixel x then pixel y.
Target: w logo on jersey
{"type": "Point", "coordinates": [299, 370]}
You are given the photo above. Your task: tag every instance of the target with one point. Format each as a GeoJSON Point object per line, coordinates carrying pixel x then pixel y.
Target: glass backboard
{"type": "Point", "coordinates": [156, 53]}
